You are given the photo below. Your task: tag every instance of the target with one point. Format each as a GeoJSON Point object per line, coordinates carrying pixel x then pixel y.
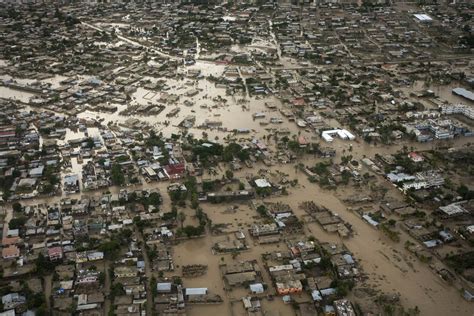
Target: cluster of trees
{"type": "Point", "coordinates": [157, 140]}
{"type": "Point", "coordinates": [52, 180]}
{"type": "Point", "coordinates": [262, 210]}
{"type": "Point", "coordinates": [189, 230]}
{"type": "Point", "coordinates": [116, 289]}
{"type": "Point", "coordinates": [111, 248]}
{"type": "Point", "coordinates": [409, 165]}
{"type": "Point", "coordinates": [43, 265]}
{"type": "Point", "coordinates": [465, 193]}
{"type": "Point", "coordinates": [117, 175]}
{"type": "Point", "coordinates": [179, 197]}
{"type": "Point", "coordinates": [34, 301]}
{"type": "Point", "coordinates": [461, 262]}
{"type": "Point", "coordinates": [7, 181]}
{"type": "Point", "coordinates": [217, 152]}
{"type": "Point", "coordinates": [20, 220]}
{"type": "Point", "coordinates": [153, 199]}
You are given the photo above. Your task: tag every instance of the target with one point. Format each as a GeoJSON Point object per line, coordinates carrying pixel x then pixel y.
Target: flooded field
{"type": "Point", "coordinates": [443, 92]}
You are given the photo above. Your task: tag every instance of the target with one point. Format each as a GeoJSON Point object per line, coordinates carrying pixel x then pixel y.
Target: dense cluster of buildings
{"type": "Point", "coordinates": [144, 144]}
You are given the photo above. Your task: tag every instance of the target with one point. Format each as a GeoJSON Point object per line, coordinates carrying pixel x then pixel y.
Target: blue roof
{"type": "Point", "coordinates": [348, 258]}
{"type": "Point", "coordinates": [196, 291]}
{"type": "Point", "coordinates": [256, 288]}
{"type": "Point", "coordinates": [163, 287]}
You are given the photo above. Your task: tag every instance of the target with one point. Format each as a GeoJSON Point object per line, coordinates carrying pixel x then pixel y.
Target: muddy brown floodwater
{"type": "Point", "coordinates": [417, 285]}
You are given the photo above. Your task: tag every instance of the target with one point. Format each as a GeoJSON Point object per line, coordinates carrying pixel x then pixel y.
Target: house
{"type": "Point", "coordinates": [27, 183]}
{"type": "Point", "coordinates": [344, 307]}
{"type": "Point", "coordinates": [302, 141]}
{"type": "Point", "coordinates": [10, 252]}
{"type": "Point", "coordinates": [175, 171]}
{"type": "Point", "coordinates": [262, 183]}
{"type": "Point", "coordinates": [195, 291]}
{"type": "Point", "coordinates": [234, 279]}
{"type": "Point", "coordinates": [125, 271]}
{"type": "Point", "coordinates": [12, 300]}
{"type": "Point", "coordinates": [415, 157]}
{"type": "Point", "coordinates": [95, 255]}
{"type": "Point", "coordinates": [55, 253]}
{"type": "Point", "coordinates": [251, 305]}
{"type": "Point", "coordinates": [256, 288]}
{"type": "Point", "coordinates": [289, 287]}
{"type": "Point", "coordinates": [264, 229]}
{"type": "Point", "coordinates": [36, 172]}
{"type": "Point", "coordinates": [452, 210]}
{"type": "Point", "coordinates": [328, 136]}
{"type": "Point", "coordinates": [164, 287]}
{"type": "Point", "coordinates": [299, 102]}
{"type": "Point", "coordinates": [399, 177]}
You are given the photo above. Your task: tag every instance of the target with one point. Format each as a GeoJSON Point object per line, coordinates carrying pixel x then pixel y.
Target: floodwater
{"type": "Point", "coordinates": [14, 94]}
{"type": "Point", "coordinates": [208, 104]}
{"type": "Point", "coordinates": [443, 92]}
{"type": "Point", "coordinates": [377, 255]}
{"type": "Point", "coordinates": [416, 283]}
{"type": "Point", "coordinates": [198, 251]}
{"type": "Point", "coordinates": [387, 265]}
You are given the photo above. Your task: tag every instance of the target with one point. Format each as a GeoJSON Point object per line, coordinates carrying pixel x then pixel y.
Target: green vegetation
{"type": "Point", "coordinates": [191, 231]}
{"type": "Point", "coordinates": [111, 248]}
{"type": "Point", "coordinates": [170, 215]}
{"type": "Point", "coordinates": [43, 265]}
{"type": "Point", "coordinates": [116, 290]}
{"type": "Point", "coordinates": [262, 211]}
{"type": "Point", "coordinates": [117, 175]}
{"type": "Point", "coordinates": [234, 150]}
{"type": "Point", "coordinates": [465, 193]}
{"type": "Point", "coordinates": [263, 191]}
{"type": "Point", "coordinates": [393, 235]}
{"type": "Point", "coordinates": [461, 262]}
{"type": "Point", "coordinates": [409, 165]}
{"type": "Point", "coordinates": [17, 208]}
{"type": "Point", "coordinates": [18, 222]}
{"type": "Point", "coordinates": [208, 185]}
{"type": "Point", "coordinates": [321, 168]}
{"type": "Point", "coordinates": [343, 287]}
{"type": "Point", "coordinates": [207, 155]}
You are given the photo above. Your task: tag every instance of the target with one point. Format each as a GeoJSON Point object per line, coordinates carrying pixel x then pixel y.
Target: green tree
{"type": "Point", "coordinates": [117, 175]}
{"type": "Point", "coordinates": [18, 222]}
{"type": "Point", "coordinates": [117, 290]}
{"type": "Point", "coordinates": [262, 210]}
{"type": "Point", "coordinates": [181, 218]}
{"type": "Point", "coordinates": [17, 207]}
{"type": "Point", "coordinates": [43, 265]}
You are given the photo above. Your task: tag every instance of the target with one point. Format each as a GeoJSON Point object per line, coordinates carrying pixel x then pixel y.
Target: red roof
{"type": "Point", "coordinates": [7, 134]}
{"type": "Point", "coordinates": [299, 102]}
{"type": "Point", "coordinates": [415, 156]}
{"type": "Point", "coordinates": [175, 169]}
{"type": "Point", "coordinates": [54, 251]}
{"type": "Point", "coordinates": [302, 140]}
{"type": "Point", "coordinates": [9, 240]}
{"type": "Point", "coordinates": [10, 252]}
